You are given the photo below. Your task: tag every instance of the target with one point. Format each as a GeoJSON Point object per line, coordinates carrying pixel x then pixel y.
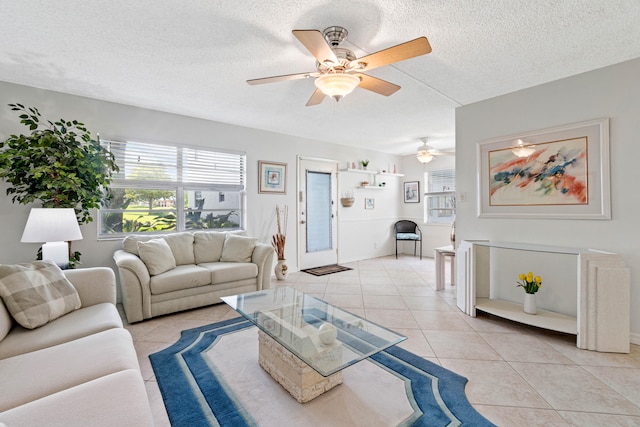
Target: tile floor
{"type": "Point", "coordinates": [518, 376]}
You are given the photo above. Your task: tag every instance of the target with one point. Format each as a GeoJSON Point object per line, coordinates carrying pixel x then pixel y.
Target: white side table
{"type": "Point", "coordinates": [440, 255]}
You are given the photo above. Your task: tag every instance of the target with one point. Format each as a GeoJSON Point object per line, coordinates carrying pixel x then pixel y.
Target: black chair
{"type": "Point", "coordinates": [408, 230]}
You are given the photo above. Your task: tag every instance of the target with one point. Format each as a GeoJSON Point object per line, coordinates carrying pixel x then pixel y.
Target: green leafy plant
{"type": "Point", "coordinates": [57, 164]}
{"type": "Point", "coordinates": [365, 163]}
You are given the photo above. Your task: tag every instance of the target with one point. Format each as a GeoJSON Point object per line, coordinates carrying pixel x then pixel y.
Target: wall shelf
{"type": "Point", "coordinates": [371, 172]}
{"type": "Point", "coordinates": [590, 287]}
{"type": "Point", "coordinates": [371, 187]}
{"type": "Point", "coordinates": [544, 319]}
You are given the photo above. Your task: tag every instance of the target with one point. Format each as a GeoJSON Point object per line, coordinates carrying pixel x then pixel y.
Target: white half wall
{"type": "Point", "coordinates": [612, 92]}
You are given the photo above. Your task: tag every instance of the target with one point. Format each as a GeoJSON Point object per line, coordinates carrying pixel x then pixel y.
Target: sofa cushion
{"type": "Point", "coordinates": [207, 246]}
{"type": "Point", "coordinates": [157, 256]}
{"type": "Point", "coordinates": [181, 277]}
{"type": "Point", "coordinates": [130, 243]}
{"type": "Point", "coordinates": [36, 293]}
{"type": "Point", "coordinates": [224, 272]}
{"type": "Point", "coordinates": [40, 373]}
{"type": "Point", "coordinates": [117, 399]}
{"type": "Point", "coordinates": [77, 324]}
{"type": "Point", "coordinates": [181, 245]}
{"type": "Point", "coordinates": [237, 248]}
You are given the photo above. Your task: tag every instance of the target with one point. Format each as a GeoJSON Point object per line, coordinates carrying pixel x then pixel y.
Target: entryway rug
{"type": "Point", "coordinates": [326, 269]}
{"type": "Point", "coordinates": [211, 377]}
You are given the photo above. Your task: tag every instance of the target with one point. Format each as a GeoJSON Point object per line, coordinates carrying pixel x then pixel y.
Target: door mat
{"type": "Point", "coordinates": [326, 269]}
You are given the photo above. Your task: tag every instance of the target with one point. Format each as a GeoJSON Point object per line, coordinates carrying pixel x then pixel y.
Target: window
{"type": "Point", "coordinates": [173, 188]}
{"type": "Point", "coordinates": [440, 197]}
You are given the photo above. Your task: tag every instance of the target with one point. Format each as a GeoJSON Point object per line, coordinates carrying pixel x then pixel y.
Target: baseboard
{"type": "Point", "coordinates": [635, 339]}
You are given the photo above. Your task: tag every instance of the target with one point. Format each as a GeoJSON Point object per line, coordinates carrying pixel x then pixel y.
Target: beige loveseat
{"type": "Point", "coordinates": [79, 369]}
{"type": "Point", "coordinates": [174, 272]}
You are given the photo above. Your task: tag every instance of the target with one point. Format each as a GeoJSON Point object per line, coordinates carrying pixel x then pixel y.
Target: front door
{"type": "Point", "coordinates": [317, 211]}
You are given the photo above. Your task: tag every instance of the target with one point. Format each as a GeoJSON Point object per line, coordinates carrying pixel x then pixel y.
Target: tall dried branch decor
{"type": "Point", "coordinates": [280, 238]}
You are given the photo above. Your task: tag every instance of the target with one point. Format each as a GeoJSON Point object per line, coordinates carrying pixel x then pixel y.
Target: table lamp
{"type": "Point", "coordinates": [55, 226]}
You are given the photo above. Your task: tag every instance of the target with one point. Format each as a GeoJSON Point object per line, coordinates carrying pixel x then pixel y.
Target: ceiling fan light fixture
{"type": "Point", "coordinates": [522, 150]}
{"type": "Point", "coordinates": [424, 156]}
{"type": "Point", "coordinates": [337, 85]}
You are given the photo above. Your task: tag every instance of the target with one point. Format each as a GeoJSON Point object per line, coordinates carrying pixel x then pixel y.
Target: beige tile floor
{"type": "Point", "coordinates": [518, 376]}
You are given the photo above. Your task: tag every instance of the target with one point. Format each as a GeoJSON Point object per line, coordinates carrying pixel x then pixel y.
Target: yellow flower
{"type": "Point", "coordinates": [538, 280]}
{"type": "Point", "coordinates": [522, 276]}
{"type": "Point", "coordinates": [529, 276]}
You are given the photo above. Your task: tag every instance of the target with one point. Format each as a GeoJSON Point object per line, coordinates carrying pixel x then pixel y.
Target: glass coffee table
{"type": "Point", "coordinates": [304, 342]}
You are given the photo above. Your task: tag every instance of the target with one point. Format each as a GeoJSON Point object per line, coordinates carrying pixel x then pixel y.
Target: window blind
{"type": "Point", "coordinates": [155, 165]}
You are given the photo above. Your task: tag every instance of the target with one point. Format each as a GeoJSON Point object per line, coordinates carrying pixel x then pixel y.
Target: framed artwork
{"type": "Point", "coordinates": [369, 203]}
{"type": "Point", "coordinates": [272, 177]}
{"type": "Point", "coordinates": [564, 176]}
{"type": "Point", "coordinates": [412, 192]}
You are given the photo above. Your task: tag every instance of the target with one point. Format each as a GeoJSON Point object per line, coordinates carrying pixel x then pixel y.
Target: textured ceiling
{"type": "Point", "coordinates": [194, 57]}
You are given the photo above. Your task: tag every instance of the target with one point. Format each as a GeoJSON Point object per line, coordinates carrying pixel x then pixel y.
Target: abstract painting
{"type": "Point", "coordinates": [565, 175]}
{"type": "Point", "coordinates": [555, 174]}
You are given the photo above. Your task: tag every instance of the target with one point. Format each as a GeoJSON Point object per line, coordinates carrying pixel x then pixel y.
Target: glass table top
{"type": "Point", "coordinates": [325, 337]}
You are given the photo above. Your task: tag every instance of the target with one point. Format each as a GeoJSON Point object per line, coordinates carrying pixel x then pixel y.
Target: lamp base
{"type": "Point", "coordinates": [57, 252]}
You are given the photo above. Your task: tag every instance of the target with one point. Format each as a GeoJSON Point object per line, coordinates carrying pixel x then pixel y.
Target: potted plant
{"type": "Point", "coordinates": [57, 164]}
{"type": "Point", "coordinates": [531, 285]}
{"type": "Point", "coordinates": [364, 163]}
{"type": "Point", "coordinates": [279, 239]}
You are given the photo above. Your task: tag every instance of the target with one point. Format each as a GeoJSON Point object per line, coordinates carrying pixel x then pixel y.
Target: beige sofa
{"type": "Point", "coordinates": [174, 272]}
{"type": "Point", "coordinates": [77, 370]}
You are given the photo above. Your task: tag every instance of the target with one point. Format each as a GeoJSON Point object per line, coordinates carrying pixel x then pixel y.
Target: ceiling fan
{"type": "Point", "coordinates": [426, 153]}
{"type": "Point", "coordinates": [339, 72]}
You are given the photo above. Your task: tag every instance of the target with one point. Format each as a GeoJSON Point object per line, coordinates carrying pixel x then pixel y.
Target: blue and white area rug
{"type": "Point", "coordinates": [211, 377]}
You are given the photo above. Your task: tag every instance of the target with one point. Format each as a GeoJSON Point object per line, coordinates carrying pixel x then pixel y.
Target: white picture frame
{"type": "Point", "coordinates": [590, 163]}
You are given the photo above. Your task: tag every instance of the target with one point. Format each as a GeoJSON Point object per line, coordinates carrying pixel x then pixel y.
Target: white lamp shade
{"type": "Point", "coordinates": [521, 149]}
{"type": "Point", "coordinates": [337, 85]}
{"type": "Point", "coordinates": [424, 156]}
{"type": "Point", "coordinates": [51, 225]}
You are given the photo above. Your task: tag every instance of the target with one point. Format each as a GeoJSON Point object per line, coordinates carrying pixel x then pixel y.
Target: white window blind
{"type": "Point", "coordinates": [144, 164]}
{"type": "Point", "coordinates": [440, 196]}
{"type": "Point", "coordinates": [441, 180]}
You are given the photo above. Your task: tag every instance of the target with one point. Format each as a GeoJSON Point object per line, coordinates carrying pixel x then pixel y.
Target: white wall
{"type": "Point", "coordinates": [363, 234]}
{"type": "Point", "coordinates": [612, 92]}
{"type": "Point", "coordinates": [433, 235]}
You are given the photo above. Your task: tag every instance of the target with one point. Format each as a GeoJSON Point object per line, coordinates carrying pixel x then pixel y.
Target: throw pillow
{"type": "Point", "coordinates": [237, 248]}
{"type": "Point", "coordinates": [207, 246]}
{"type": "Point", "coordinates": [36, 293]}
{"type": "Point", "coordinates": [157, 256]}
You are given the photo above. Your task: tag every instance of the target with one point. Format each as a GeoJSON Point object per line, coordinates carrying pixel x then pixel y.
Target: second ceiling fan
{"type": "Point", "coordinates": [339, 72]}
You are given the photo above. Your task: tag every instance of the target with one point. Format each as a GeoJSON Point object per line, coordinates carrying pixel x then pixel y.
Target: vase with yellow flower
{"type": "Point", "coordinates": [531, 284]}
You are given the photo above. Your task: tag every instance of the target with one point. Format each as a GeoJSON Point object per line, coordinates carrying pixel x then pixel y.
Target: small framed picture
{"type": "Point", "coordinates": [369, 203]}
{"type": "Point", "coordinates": [272, 177]}
{"type": "Point", "coordinates": [412, 192]}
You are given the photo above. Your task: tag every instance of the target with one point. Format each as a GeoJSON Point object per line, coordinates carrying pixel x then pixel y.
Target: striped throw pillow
{"type": "Point", "coordinates": [36, 293]}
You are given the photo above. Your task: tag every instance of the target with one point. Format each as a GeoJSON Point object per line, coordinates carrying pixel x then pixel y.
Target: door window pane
{"type": "Point", "coordinates": [319, 211]}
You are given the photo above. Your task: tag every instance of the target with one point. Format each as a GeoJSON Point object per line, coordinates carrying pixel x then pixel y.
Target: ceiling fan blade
{"type": "Point", "coordinates": [315, 43]}
{"type": "Point", "coordinates": [377, 85]}
{"type": "Point", "coordinates": [316, 98]}
{"type": "Point", "coordinates": [410, 49]}
{"type": "Point", "coordinates": [280, 78]}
